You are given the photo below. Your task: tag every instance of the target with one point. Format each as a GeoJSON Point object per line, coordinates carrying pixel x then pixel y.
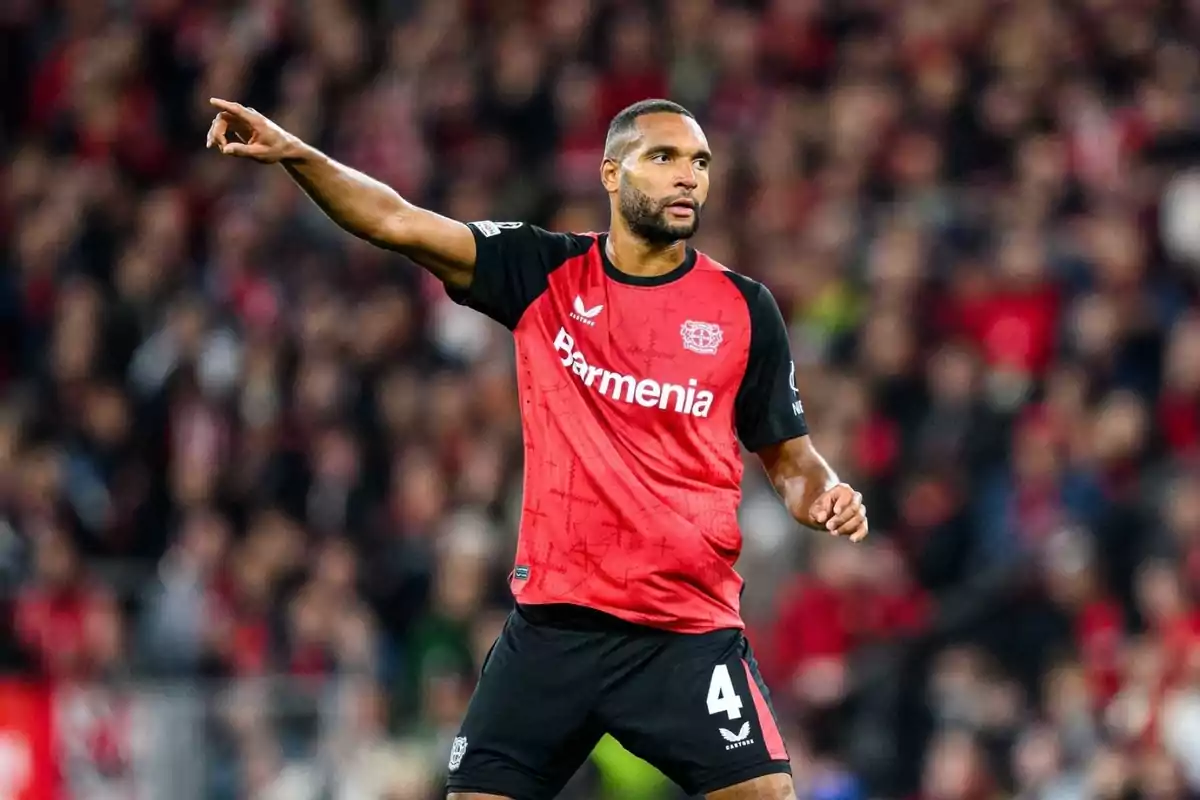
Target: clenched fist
{"type": "Point", "coordinates": [842, 512]}
{"type": "Point", "coordinates": [243, 132]}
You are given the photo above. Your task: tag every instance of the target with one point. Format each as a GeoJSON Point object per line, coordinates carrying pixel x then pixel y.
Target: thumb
{"type": "Point", "coordinates": [821, 509]}
{"type": "Point", "coordinates": [244, 150]}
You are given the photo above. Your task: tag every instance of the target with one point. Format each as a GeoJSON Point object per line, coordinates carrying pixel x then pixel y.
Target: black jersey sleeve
{"type": "Point", "coordinates": [767, 409]}
{"type": "Point", "coordinates": [513, 262]}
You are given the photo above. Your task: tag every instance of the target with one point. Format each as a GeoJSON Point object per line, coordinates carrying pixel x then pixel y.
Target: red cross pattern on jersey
{"type": "Point", "coordinates": [637, 395]}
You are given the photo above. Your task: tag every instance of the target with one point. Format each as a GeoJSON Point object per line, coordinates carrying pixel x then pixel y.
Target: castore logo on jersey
{"type": "Point", "coordinates": [741, 736]}
{"type": "Point", "coordinates": [584, 314]}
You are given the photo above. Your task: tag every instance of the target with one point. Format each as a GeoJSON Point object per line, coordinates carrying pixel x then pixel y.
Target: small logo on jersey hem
{"type": "Point", "coordinates": [739, 739]}
{"type": "Point", "coordinates": [701, 337]}
{"type": "Point", "coordinates": [521, 573]}
{"type": "Point", "coordinates": [584, 314]}
{"type": "Point", "coordinates": [457, 750]}
{"type": "Point", "coordinates": [490, 229]}
{"type": "Point", "coordinates": [797, 406]}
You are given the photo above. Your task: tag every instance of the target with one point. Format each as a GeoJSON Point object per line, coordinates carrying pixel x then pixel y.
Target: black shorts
{"type": "Point", "coordinates": [560, 677]}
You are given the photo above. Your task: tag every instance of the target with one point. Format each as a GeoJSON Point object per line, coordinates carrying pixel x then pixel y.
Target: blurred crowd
{"type": "Point", "coordinates": [245, 454]}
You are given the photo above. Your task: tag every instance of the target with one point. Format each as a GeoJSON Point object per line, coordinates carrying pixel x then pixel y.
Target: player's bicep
{"type": "Point", "coordinates": [768, 407]}
{"type": "Point", "coordinates": [443, 246]}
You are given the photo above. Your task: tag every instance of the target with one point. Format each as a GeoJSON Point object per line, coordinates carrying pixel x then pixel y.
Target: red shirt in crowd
{"type": "Point", "coordinates": [1179, 421]}
{"type": "Point", "coordinates": [54, 627]}
{"type": "Point", "coordinates": [1099, 632]}
{"type": "Point", "coordinates": [1014, 330]}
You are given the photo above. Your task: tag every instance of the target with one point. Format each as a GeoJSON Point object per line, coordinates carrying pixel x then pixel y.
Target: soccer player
{"type": "Point", "coordinates": [641, 364]}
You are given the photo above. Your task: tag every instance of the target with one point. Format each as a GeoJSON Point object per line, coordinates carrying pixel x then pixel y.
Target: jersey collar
{"type": "Point", "coordinates": [689, 261]}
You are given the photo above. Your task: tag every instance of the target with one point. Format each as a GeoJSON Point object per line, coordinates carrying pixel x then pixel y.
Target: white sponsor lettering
{"type": "Point", "coordinates": [645, 392]}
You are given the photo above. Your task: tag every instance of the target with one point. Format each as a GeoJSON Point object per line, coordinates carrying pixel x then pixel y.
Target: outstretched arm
{"type": "Point", "coordinates": [358, 203]}
{"type": "Point", "coordinates": [811, 490]}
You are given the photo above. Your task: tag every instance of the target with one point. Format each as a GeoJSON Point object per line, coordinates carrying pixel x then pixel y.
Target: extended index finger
{"type": "Point", "coordinates": [236, 109]}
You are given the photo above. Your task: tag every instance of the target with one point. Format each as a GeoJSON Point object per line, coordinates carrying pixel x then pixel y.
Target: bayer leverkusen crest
{"type": "Point", "coordinates": [701, 337]}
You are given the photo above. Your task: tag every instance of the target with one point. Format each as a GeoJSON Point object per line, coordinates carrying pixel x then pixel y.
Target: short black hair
{"type": "Point", "coordinates": [625, 122]}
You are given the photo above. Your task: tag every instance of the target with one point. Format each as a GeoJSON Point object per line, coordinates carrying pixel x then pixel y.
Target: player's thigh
{"type": "Point", "coordinates": [769, 787]}
{"type": "Point", "coordinates": [529, 724]}
{"type": "Point", "coordinates": [698, 711]}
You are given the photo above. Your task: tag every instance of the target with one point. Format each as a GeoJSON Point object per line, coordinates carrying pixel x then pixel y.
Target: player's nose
{"type": "Point", "coordinates": [687, 180]}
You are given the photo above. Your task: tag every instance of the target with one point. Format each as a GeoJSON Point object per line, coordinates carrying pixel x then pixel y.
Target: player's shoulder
{"type": "Point", "coordinates": [488, 229]}
{"type": "Point", "coordinates": [752, 291]}
{"type": "Point", "coordinates": [576, 243]}
{"type": "Point", "coordinates": [553, 245]}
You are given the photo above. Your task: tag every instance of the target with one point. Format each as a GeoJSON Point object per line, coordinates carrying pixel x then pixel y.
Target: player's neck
{"type": "Point", "coordinates": [635, 256]}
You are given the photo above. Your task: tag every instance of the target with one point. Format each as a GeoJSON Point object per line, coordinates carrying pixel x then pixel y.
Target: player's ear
{"type": "Point", "coordinates": [610, 175]}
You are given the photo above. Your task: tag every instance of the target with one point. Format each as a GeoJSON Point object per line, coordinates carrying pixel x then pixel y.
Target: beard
{"type": "Point", "coordinates": [647, 218]}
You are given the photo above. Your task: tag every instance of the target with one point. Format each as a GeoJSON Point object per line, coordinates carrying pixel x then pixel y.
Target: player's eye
{"type": "Point", "coordinates": [660, 158]}
{"type": "Point", "coordinates": [701, 163]}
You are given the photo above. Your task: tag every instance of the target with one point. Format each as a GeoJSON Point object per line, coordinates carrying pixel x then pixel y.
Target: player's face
{"type": "Point", "coordinates": [663, 180]}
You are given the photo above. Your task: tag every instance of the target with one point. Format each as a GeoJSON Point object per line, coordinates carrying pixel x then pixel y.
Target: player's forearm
{"type": "Point", "coordinates": [358, 203]}
{"type": "Point", "coordinates": [800, 480]}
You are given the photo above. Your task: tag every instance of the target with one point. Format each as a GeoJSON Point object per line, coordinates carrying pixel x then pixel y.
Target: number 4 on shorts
{"type": "Point", "coordinates": [721, 695]}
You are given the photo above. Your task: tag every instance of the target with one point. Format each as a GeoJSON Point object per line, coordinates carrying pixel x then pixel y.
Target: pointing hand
{"type": "Point", "coordinates": [245, 133]}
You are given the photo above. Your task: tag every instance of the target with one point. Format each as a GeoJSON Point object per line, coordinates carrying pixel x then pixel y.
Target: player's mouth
{"type": "Point", "coordinates": [685, 207]}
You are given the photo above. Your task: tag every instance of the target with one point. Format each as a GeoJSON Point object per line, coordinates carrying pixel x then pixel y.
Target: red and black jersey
{"type": "Point", "coordinates": [634, 393]}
